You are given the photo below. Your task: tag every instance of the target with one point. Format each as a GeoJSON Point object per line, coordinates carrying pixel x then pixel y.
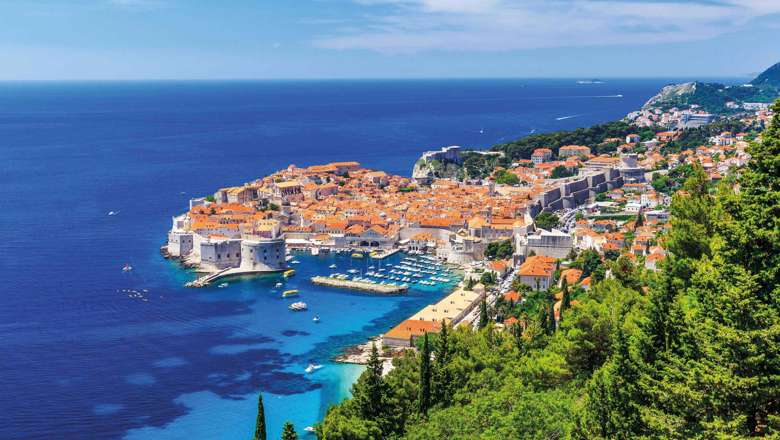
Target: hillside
{"type": "Point", "coordinates": [713, 97]}
{"type": "Point", "coordinates": [769, 78]}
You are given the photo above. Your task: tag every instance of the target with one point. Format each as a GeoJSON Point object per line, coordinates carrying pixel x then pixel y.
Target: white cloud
{"type": "Point", "coordinates": [496, 25]}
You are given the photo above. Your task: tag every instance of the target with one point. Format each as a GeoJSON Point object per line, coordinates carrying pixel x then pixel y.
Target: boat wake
{"type": "Point", "coordinates": [566, 117]}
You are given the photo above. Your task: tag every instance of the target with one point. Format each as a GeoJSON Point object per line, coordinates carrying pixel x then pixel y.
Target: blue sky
{"type": "Point", "coordinates": [199, 39]}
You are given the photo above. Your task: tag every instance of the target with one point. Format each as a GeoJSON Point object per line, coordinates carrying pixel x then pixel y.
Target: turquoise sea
{"type": "Point", "coordinates": [87, 351]}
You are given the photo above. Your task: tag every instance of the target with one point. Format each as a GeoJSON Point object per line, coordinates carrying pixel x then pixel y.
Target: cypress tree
{"type": "Point", "coordinates": [260, 433]}
{"type": "Point", "coordinates": [566, 296]}
{"type": "Point", "coordinates": [288, 432]}
{"type": "Point", "coordinates": [551, 319]}
{"type": "Point", "coordinates": [483, 315]}
{"type": "Point", "coordinates": [424, 401]}
{"type": "Point", "coordinates": [442, 377]}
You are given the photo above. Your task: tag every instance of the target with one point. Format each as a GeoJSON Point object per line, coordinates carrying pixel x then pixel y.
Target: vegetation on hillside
{"type": "Point", "coordinates": [596, 135]}
{"type": "Point", "coordinates": [691, 351]}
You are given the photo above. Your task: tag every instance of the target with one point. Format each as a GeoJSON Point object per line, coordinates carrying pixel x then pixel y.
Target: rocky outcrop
{"type": "Point", "coordinates": [673, 93]}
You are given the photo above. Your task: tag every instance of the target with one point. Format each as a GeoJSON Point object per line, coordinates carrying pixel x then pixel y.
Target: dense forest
{"type": "Point", "coordinates": [690, 351]}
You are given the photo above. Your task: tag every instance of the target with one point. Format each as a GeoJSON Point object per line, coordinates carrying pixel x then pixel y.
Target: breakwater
{"type": "Point", "coordinates": [387, 289]}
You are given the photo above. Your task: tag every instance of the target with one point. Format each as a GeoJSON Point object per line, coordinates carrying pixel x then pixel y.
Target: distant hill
{"type": "Point", "coordinates": [713, 97]}
{"type": "Point", "coordinates": [769, 78]}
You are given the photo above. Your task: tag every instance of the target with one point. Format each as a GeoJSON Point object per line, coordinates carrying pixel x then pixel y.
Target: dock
{"type": "Point", "coordinates": [380, 255]}
{"type": "Point", "coordinates": [387, 289]}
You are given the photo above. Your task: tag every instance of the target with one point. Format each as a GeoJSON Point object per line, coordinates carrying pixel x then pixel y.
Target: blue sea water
{"type": "Point", "coordinates": [80, 357]}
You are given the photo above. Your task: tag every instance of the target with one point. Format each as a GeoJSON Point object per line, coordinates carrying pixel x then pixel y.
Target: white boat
{"type": "Point", "coordinates": [309, 429]}
{"type": "Point", "coordinates": [294, 262]}
{"type": "Point", "coordinates": [278, 285]}
{"type": "Point", "coordinates": [315, 251]}
{"type": "Point", "coordinates": [127, 268]}
{"type": "Point", "coordinates": [288, 258]}
{"type": "Point", "coordinates": [298, 306]}
{"type": "Point", "coordinates": [352, 271]}
{"type": "Point", "coordinates": [316, 319]}
{"type": "Point", "coordinates": [313, 367]}
{"type": "Point", "coordinates": [112, 213]}
{"type": "Point", "coordinates": [223, 285]}
{"type": "Point", "coordinates": [332, 266]}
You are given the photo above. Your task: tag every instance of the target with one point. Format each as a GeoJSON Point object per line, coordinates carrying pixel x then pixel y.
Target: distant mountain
{"type": "Point", "coordinates": [769, 77]}
{"type": "Point", "coordinates": [714, 97]}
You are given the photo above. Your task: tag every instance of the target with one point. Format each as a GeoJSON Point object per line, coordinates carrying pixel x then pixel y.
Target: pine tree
{"type": "Point", "coordinates": [424, 398]}
{"type": "Point", "coordinates": [260, 432]}
{"type": "Point", "coordinates": [288, 432]}
{"type": "Point", "coordinates": [371, 389]}
{"type": "Point", "coordinates": [483, 315]}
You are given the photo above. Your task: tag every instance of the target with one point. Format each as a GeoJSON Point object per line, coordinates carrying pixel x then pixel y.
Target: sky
{"type": "Point", "coordinates": [311, 39]}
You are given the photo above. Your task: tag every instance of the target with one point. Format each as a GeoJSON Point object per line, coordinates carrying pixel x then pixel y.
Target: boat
{"type": "Point", "coordinates": [112, 213]}
{"type": "Point", "coordinates": [332, 266]}
{"type": "Point", "coordinates": [309, 429]}
{"type": "Point", "coordinates": [313, 367]}
{"type": "Point", "coordinates": [315, 251]}
{"type": "Point", "coordinates": [298, 306]}
{"type": "Point", "coordinates": [223, 285]}
{"type": "Point", "coordinates": [357, 255]}
{"type": "Point", "coordinates": [127, 268]}
{"type": "Point", "coordinates": [316, 318]}
{"type": "Point", "coordinates": [289, 293]}
{"type": "Point", "coordinates": [278, 285]}
{"type": "Point", "coordinates": [288, 258]}
{"type": "Point", "coordinates": [294, 262]}
{"type": "Point", "coordinates": [289, 272]}
{"type": "Point", "coordinates": [352, 271]}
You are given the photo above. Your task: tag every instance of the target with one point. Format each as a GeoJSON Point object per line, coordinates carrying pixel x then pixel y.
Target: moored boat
{"type": "Point", "coordinates": [289, 293]}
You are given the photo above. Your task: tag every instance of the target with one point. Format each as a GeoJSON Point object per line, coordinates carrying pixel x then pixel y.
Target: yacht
{"type": "Point", "coordinates": [298, 306]}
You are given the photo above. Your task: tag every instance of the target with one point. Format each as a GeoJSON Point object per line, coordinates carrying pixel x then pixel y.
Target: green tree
{"type": "Point", "coordinates": [371, 391]}
{"type": "Point", "coordinates": [565, 295]}
{"type": "Point", "coordinates": [441, 383]}
{"type": "Point", "coordinates": [483, 314]}
{"type": "Point", "coordinates": [260, 431]}
{"type": "Point", "coordinates": [288, 432]}
{"type": "Point", "coordinates": [546, 220]}
{"type": "Point", "coordinates": [424, 399]}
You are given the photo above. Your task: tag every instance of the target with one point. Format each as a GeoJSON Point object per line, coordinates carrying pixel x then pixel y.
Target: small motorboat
{"type": "Point", "coordinates": [289, 293]}
{"type": "Point", "coordinates": [352, 271]}
{"type": "Point", "coordinates": [294, 262]}
{"type": "Point", "coordinates": [316, 319]}
{"type": "Point", "coordinates": [222, 285]}
{"type": "Point", "coordinates": [332, 266]}
{"type": "Point", "coordinates": [309, 429]}
{"type": "Point", "coordinates": [113, 213]}
{"type": "Point", "coordinates": [127, 268]}
{"type": "Point", "coordinates": [278, 285]}
{"type": "Point", "coordinates": [357, 255]}
{"type": "Point", "coordinates": [298, 306]}
{"type": "Point", "coordinates": [289, 272]}
{"type": "Point", "coordinates": [312, 367]}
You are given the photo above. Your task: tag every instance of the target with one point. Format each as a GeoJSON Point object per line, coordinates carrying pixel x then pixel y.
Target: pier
{"type": "Point", "coordinates": [207, 279]}
{"type": "Point", "coordinates": [387, 289]}
{"type": "Point", "coordinates": [380, 255]}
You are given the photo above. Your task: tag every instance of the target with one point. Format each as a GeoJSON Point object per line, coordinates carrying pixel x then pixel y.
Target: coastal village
{"type": "Point", "coordinates": [526, 240]}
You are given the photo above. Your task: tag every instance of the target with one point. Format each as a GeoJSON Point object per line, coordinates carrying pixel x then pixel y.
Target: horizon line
{"type": "Point", "coordinates": [422, 78]}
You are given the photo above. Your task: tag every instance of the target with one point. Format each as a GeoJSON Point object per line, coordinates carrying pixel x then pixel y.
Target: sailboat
{"type": "Point", "coordinates": [127, 268]}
